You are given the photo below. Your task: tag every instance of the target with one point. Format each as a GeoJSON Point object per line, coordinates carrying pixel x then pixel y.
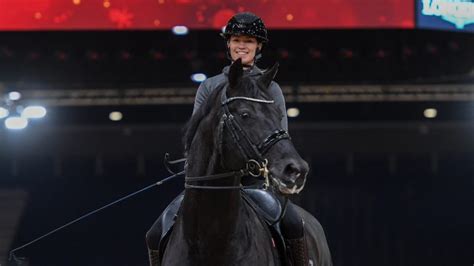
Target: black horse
{"type": "Point", "coordinates": [234, 137]}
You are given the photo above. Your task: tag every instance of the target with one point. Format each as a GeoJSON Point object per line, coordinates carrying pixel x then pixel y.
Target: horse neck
{"type": "Point", "coordinates": [209, 217]}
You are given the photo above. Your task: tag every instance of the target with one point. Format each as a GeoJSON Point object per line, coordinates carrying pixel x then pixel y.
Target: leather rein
{"type": "Point", "coordinates": [256, 165]}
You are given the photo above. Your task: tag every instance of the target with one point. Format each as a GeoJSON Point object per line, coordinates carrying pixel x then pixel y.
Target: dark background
{"type": "Point", "coordinates": [389, 186]}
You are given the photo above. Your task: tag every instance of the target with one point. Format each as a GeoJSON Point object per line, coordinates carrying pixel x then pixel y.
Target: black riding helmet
{"type": "Point", "coordinates": [246, 23]}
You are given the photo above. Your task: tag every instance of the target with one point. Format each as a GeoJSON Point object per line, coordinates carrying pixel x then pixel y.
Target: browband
{"type": "Point", "coordinates": [247, 99]}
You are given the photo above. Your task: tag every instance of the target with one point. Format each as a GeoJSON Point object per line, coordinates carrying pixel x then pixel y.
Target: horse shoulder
{"type": "Point", "coordinates": [177, 251]}
{"type": "Point", "coordinates": [316, 239]}
{"type": "Point", "coordinates": [255, 240]}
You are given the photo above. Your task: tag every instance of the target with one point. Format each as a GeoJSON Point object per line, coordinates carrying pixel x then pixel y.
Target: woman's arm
{"type": "Point", "coordinates": [201, 95]}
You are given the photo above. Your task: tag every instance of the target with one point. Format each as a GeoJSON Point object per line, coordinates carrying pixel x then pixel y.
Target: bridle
{"type": "Point", "coordinates": [256, 165]}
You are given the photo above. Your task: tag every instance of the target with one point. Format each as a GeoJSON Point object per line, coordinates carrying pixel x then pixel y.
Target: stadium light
{"type": "Point", "coordinates": [293, 112]}
{"type": "Point", "coordinates": [3, 112]}
{"type": "Point", "coordinates": [198, 77]}
{"type": "Point", "coordinates": [34, 112]}
{"type": "Point", "coordinates": [16, 122]}
{"type": "Point", "coordinates": [115, 116]}
{"type": "Point", "coordinates": [430, 113]}
{"type": "Point", "coordinates": [180, 30]}
{"type": "Point", "coordinates": [14, 96]}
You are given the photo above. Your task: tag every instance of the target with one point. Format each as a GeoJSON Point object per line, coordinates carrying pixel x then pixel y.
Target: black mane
{"type": "Point", "coordinates": [193, 123]}
{"type": "Point", "coordinates": [247, 87]}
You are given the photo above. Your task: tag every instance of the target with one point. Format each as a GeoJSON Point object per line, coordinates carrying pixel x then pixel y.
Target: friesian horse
{"type": "Point", "coordinates": [234, 139]}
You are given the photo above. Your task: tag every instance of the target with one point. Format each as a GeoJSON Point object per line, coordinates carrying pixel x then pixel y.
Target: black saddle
{"type": "Point", "coordinates": [265, 204]}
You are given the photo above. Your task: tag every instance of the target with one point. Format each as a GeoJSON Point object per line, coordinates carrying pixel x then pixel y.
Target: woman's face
{"type": "Point", "coordinates": [244, 47]}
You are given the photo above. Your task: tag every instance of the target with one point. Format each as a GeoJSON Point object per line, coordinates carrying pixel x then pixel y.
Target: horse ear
{"type": "Point", "coordinates": [268, 76]}
{"type": "Point", "coordinates": [235, 73]}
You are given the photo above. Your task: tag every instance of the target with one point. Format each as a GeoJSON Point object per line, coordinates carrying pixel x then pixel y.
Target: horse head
{"type": "Point", "coordinates": [251, 130]}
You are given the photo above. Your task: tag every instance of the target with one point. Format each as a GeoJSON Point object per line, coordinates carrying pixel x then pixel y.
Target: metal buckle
{"type": "Point", "coordinates": [257, 169]}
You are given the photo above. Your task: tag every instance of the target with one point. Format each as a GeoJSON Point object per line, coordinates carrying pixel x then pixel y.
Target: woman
{"type": "Point", "coordinates": [245, 35]}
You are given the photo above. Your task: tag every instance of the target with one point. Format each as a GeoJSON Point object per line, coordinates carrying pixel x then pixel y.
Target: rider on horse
{"type": "Point", "coordinates": [245, 35]}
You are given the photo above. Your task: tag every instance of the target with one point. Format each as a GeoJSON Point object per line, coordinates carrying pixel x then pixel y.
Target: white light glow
{"type": "Point", "coordinates": [14, 96]}
{"type": "Point", "coordinates": [16, 122]}
{"type": "Point", "coordinates": [19, 109]}
{"type": "Point", "coordinates": [115, 116]}
{"type": "Point", "coordinates": [430, 113]}
{"type": "Point", "coordinates": [198, 77]}
{"type": "Point", "coordinates": [34, 112]}
{"type": "Point", "coordinates": [223, 29]}
{"type": "Point", "coordinates": [3, 112]}
{"type": "Point", "coordinates": [180, 30]}
{"type": "Point", "coordinates": [293, 112]}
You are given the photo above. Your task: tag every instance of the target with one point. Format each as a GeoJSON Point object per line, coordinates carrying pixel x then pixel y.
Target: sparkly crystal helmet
{"type": "Point", "coordinates": [246, 23]}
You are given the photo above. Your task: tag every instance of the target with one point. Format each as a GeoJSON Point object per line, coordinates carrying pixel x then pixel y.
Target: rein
{"type": "Point", "coordinates": [253, 168]}
{"type": "Point", "coordinates": [256, 165]}
{"type": "Point", "coordinates": [12, 255]}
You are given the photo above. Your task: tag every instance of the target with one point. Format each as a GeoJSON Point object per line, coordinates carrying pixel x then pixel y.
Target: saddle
{"type": "Point", "coordinates": [266, 205]}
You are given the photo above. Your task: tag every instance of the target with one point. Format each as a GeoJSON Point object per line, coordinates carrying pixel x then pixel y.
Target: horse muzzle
{"type": "Point", "coordinates": [292, 178]}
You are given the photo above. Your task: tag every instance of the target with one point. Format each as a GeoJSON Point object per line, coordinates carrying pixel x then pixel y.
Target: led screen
{"type": "Point", "coordinates": [201, 14]}
{"type": "Point", "coordinates": [446, 14]}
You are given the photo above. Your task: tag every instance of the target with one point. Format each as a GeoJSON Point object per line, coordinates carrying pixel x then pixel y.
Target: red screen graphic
{"type": "Point", "coordinates": [201, 14]}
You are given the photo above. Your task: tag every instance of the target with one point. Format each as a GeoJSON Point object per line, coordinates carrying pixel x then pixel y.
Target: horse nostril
{"type": "Point", "coordinates": [292, 171]}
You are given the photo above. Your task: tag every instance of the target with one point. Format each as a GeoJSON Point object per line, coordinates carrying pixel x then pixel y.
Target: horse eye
{"type": "Point", "coordinates": [245, 115]}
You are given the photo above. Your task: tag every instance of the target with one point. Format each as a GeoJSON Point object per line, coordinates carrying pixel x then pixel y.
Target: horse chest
{"type": "Point", "coordinates": [239, 255]}
{"type": "Point", "coordinates": [250, 245]}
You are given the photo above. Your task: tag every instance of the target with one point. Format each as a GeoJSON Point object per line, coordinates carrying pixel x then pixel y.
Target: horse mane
{"type": "Point", "coordinates": [193, 123]}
